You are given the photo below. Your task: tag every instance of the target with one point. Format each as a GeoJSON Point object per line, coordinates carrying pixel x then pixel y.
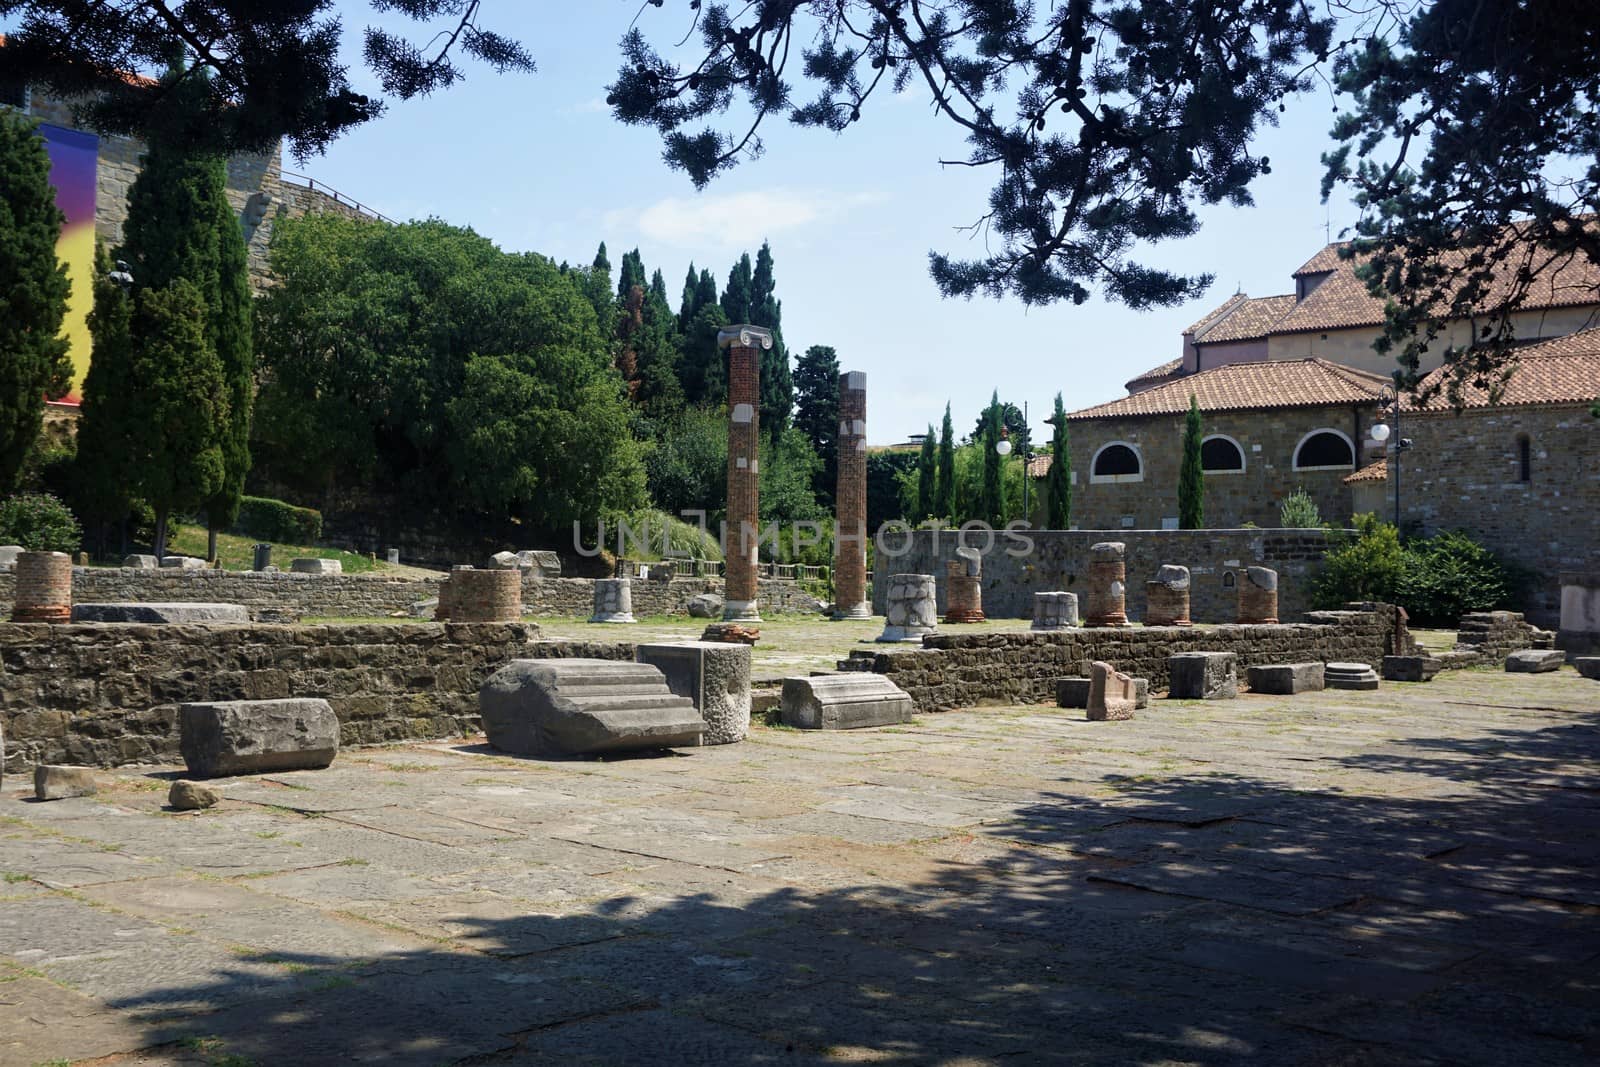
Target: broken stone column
{"type": "Point", "coordinates": [1258, 596]}
{"type": "Point", "coordinates": [1167, 597]}
{"type": "Point", "coordinates": [744, 345]}
{"type": "Point", "coordinates": [613, 600]}
{"type": "Point", "coordinates": [910, 607]}
{"type": "Point", "coordinates": [715, 675]}
{"type": "Point", "coordinates": [1107, 585]}
{"type": "Point", "coordinates": [483, 596]}
{"type": "Point", "coordinates": [850, 502]}
{"type": "Point", "coordinates": [1203, 676]}
{"type": "Point", "coordinates": [843, 702]}
{"type": "Point", "coordinates": [44, 587]}
{"type": "Point", "coordinates": [223, 738]}
{"type": "Point", "coordinates": [963, 586]}
{"type": "Point", "coordinates": [1055, 610]}
{"type": "Point", "coordinates": [1112, 694]}
{"type": "Point", "coordinates": [572, 707]}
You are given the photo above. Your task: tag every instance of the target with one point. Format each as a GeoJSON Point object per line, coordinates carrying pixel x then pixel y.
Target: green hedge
{"type": "Point", "coordinates": [266, 519]}
{"type": "Point", "coordinates": [39, 523]}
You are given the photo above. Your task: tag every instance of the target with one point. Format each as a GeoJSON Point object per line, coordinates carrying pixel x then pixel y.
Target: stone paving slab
{"type": "Point", "coordinates": [1316, 879]}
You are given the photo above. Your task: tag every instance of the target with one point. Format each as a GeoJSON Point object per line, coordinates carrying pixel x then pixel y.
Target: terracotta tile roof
{"type": "Point", "coordinates": [1156, 374]}
{"type": "Point", "coordinates": [1217, 312]}
{"type": "Point", "coordinates": [1372, 472]}
{"type": "Point", "coordinates": [1565, 370]}
{"type": "Point", "coordinates": [1246, 386]}
{"type": "Point", "coordinates": [1039, 466]}
{"type": "Point", "coordinates": [1342, 300]}
{"type": "Point", "coordinates": [1247, 321]}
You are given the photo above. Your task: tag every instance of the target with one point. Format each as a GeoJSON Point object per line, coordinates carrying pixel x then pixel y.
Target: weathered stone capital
{"type": "Point", "coordinates": [744, 337]}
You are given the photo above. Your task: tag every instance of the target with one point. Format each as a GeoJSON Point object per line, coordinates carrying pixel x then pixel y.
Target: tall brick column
{"type": "Point", "coordinates": [850, 502]}
{"type": "Point", "coordinates": [744, 345]}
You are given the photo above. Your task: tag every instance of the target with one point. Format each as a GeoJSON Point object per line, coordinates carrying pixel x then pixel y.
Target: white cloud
{"type": "Point", "coordinates": [737, 220]}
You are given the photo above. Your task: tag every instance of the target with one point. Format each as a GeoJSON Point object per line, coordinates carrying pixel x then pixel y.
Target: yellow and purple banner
{"type": "Point", "coordinates": [74, 158]}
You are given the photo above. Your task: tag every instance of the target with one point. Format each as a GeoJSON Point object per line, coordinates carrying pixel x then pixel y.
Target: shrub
{"type": "Point", "coordinates": [1449, 574]}
{"type": "Point", "coordinates": [266, 519]}
{"type": "Point", "coordinates": [39, 522]}
{"type": "Point", "coordinates": [1366, 566]}
{"type": "Point", "coordinates": [1299, 512]}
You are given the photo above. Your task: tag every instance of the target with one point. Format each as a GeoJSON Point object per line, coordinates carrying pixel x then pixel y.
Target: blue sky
{"type": "Point", "coordinates": [535, 162]}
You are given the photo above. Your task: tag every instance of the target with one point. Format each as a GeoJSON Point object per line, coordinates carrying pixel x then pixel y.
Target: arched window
{"type": "Point", "coordinates": [1524, 458]}
{"type": "Point", "coordinates": [1220, 454]}
{"type": "Point", "coordinates": [1117, 461]}
{"type": "Point", "coordinates": [1324, 450]}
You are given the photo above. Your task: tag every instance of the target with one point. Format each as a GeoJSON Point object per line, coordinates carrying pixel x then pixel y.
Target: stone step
{"type": "Point", "coordinates": [573, 707]}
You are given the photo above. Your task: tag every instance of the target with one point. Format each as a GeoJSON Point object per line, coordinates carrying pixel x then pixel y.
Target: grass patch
{"type": "Point", "coordinates": [13, 877]}
{"type": "Point", "coordinates": [237, 553]}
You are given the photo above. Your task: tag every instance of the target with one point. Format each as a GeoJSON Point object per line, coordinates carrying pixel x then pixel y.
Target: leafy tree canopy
{"type": "Point", "coordinates": [271, 67]}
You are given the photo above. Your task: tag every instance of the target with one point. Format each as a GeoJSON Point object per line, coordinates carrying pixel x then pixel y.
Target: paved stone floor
{"type": "Point", "coordinates": [1406, 876]}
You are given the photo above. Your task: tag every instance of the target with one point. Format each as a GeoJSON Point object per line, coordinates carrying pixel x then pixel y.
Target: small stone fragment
{"type": "Point", "coordinates": [58, 783]}
{"type": "Point", "coordinates": [191, 796]}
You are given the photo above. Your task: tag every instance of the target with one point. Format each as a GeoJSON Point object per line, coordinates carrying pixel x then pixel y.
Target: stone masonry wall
{"type": "Point", "coordinates": [1059, 559]}
{"type": "Point", "coordinates": [284, 596]}
{"type": "Point", "coordinates": [965, 670]}
{"type": "Point", "coordinates": [108, 695]}
{"type": "Point", "coordinates": [1463, 472]}
{"type": "Point", "coordinates": [1267, 439]}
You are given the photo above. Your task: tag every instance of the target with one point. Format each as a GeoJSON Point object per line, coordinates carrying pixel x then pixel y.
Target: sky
{"type": "Point", "coordinates": [537, 163]}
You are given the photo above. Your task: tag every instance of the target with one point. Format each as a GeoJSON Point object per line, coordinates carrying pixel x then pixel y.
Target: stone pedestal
{"type": "Point", "coordinates": [715, 676]}
{"type": "Point", "coordinates": [1258, 596]}
{"type": "Point", "coordinates": [1167, 597]}
{"type": "Point", "coordinates": [1112, 694]}
{"type": "Point", "coordinates": [1108, 574]}
{"type": "Point", "coordinates": [910, 609]}
{"type": "Point", "coordinates": [850, 518]}
{"type": "Point", "coordinates": [1355, 676]}
{"type": "Point", "coordinates": [44, 587]}
{"type": "Point", "coordinates": [483, 596]}
{"type": "Point", "coordinates": [613, 600]}
{"type": "Point", "coordinates": [1579, 634]}
{"type": "Point", "coordinates": [1055, 610]}
{"type": "Point", "coordinates": [1203, 676]}
{"type": "Point", "coordinates": [391, 555]}
{"type": "Point", "coordinates": [744, 344]}
{"type": "Point", "coordinates": [963, 587]}
{"type": "Point", "coordinates": [1285, 679]}
{"type": "Point", "coordinates": [843, 702]}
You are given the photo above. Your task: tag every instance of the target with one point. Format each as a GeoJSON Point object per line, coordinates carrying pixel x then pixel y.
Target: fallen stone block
{"type": "Point", "coordinates": [1074, 692]}
{"type": "Point", "coordinates": [305, 565]}
{"type": "Point", "coordinates": [191, 796]}
{"type": "Point", "coordinates": [160, 613]}
{"type": "Point", "coordinates": [141, 563]}
{"type": "Point", "coordinates": [1535, 661]}
{"type": "Point", "coordinates": [1285, 679]}
{"type": "Point", "coordinates": [1112, 695]}
{"type": "Point", "coordinates": [1350, 676]}
{"type": "Point", "coordinates": [1411, 668]}
{"type": "Point", "coordinates": [843, 702]}
{"type": "Point", "coordinates": [182, 563]}
{"type": "Point", "coordinates": [706, 606]}
{"type": "Point", "coordinates": [1203, 676]}
{"type": "Point", "coordinates": [577, 707]}
{"type": "Point", "coordinates": [716, 676]}
{"type": "Point", "coordinates": [541, 563]}
{"type": "Point", "coordinates": [58, 783]}
{"type": "Point", "coordinates": [228, 737]}
{"type": "Point", "coordinates": [1588, 666]}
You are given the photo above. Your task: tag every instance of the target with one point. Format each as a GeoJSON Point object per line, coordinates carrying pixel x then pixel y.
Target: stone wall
{"type": "Point", "coordinates": [954, 670]}
{"type": "Point", "coordinates": [283, 596]}
{"type": "Point", "coordinates": [1463, 472]}
{"type": "Point", "coordinates": [1267, 439]}
{"type": "Point", "coordinates": [1059, 559]}
{"type": "Point", "coordinates": [108, 695]}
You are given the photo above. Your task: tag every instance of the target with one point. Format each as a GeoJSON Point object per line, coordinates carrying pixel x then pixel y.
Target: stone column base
{"type": "Point", "coordinates": [862, 610]}
{"type": "Point", "coordinates": [740, 611]}
{"type": "Point", "coordinates": [957, 615]}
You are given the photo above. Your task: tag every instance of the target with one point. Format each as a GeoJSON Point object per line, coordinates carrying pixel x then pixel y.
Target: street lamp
{"type": "Point", "coordinates": [1004, 447]}
{"type": "Point", "coordinates": [1389, 398]}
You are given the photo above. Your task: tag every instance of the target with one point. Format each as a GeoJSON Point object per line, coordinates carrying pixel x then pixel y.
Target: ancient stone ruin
{"type": "Point", "coordinates": [1108, 590]}
{"type": "Point", "coordinates": [1055, 610]}
{"type": "Point", "coordinates": [850, 502]}
{"type": "Point", "coordinates": [1167, 597]}
{"type": "Point", "coordinates": [572, 707]}
{"type": "Point", "coordinates": [963, 587]}
{"type": "Point", "coordinates": [44, 587]}
{"type": "Point", "coordinates": [744, 345]}
{"type": "Point", "coordinates": [1258, 596]}
{"type": "Point", "coordinates": [1112, 694]}
{"type": "Point", "coordinates": [911, 608]}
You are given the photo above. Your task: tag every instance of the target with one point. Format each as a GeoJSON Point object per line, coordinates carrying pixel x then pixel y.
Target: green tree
{"type": "Point", "coordinates": [927, 476]}
{"type": "Point", "coordinates": [816, 412]}
{"type": "Point", "coordinates": [736, 297]}
{"type": "Point", "coordinates": [106, 469]}
{"type": "Point", "coordinates": [658, 286]}
{"type": "Point", "coordinates": [597, 287]}
{"type": "Point", "coordinates": [777, 384]}
{"type": "Point", "coordinates": [1191, 477]}
{"type": "Point", "coordinates": [705, 380]}
{"type": "Point", "coordinates": [657, 349]}
{"type": "Point", "coordinates": [688, 468]}
{"type": "Point", "coordinates": [33, 293]}
{"type": "Point", "coordinates": [1058, 483]}
{"type": "Point", "coordinates": [632, 275]}
{"type": "Point", "coordinates": [270, 70]}
{"type": "Point", "coordinates": [1012, 421]}
{"type": "Point", "coordinates": [991, 502]}
{"type": "Point", "coordinates": [180, 391]}
{"type": "Point", "coordinates": [1366, 566]}
{"type": "Point", "coordinates": [788, 465]}
{"type": "Point", "coordinates": [944, 502]}
{"type": "Point", "coordinates": [687, 306]}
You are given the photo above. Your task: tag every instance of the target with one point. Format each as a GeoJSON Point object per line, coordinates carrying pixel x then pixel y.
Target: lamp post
{"type": "Point", "coordinates": [1389, 397]}
{"type": "Point", "coordinates": [1004, 447]}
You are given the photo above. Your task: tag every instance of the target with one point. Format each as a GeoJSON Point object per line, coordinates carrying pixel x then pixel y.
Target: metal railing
{"type": "Point", "coordinates": [307, 182]}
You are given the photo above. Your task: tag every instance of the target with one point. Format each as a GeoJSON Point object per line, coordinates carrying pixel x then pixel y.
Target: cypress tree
{"type": "Point", "coordinates": [816, 412]}
{"type": "Point", "coordinates": [657, 353]}
{"type": "Point", "coordinates": [658, 287]}
{"type": "Point", "coordinates": [944, 501]}
{"type": "Point", "coordinates": [687, 305]}
{"type": "Point", "coordinates": [232, 337]}
{"type": "Point", "coordinates": [736, 297]}
{"type": "Point", "coordinates": [705, 292]}
{"type": "Point", "coordinates": [597, 287]}
{"type": "Point", "coordinates": [105, 468]}
{"type": "Point", "coordinates": [927, 476]}
{"type": "Point", "coordinates": [632, 275]}
{"type": "Point", "coordinates": [33, 293]}
{"type": "Point", "coordinates": [1191, 480]}
{"type": "Point", "coordinates": [777, 384]}
{"type": "Point", "coordinates": [1058, 483]}
{"type": "Point", "coordinates": [991, 504]}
